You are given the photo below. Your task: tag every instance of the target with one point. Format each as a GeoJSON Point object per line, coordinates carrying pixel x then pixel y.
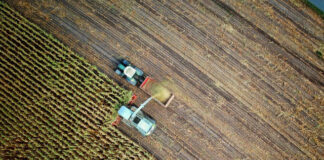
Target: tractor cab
{"type": "Point", "coordinates": [132, 74]}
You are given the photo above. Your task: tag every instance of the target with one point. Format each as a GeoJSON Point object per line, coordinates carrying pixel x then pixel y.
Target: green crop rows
{"type": "Point", "coordinates": [53, 104]}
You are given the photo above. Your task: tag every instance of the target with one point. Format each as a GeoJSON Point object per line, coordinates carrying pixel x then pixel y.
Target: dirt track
{"type": "Point", "coordinates": [247, 82]}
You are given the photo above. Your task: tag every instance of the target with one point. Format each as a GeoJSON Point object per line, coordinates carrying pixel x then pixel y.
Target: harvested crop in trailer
{"type": "Point", "coordinates": [159, 92]}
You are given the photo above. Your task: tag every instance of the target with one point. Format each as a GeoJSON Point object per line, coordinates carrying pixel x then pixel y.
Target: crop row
{"type": "Point", "coordinates": [54, 104]}
{"type": "Point", "coordinates": [37, 39]}
{"type": "Point", "coordinates": [63, 71]}
{"type": "Point", "coordinates": [52, 43]}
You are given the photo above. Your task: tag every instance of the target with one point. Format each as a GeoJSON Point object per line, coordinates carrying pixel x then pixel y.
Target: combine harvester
{"type": "Point", "coordinates": [132, 115]}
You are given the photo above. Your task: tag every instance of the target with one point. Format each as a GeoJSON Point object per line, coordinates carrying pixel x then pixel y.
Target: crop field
{"type": "Point", "coordinates": [54, 104]}
{"type": "Point", "coordinates": [247, 75]}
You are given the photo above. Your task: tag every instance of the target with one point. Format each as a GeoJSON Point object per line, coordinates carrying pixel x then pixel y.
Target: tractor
{"type": "Point", "coordinates": [132, 74]}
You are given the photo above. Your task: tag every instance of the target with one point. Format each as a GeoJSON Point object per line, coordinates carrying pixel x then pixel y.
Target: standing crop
{"type": "Point", "coordinates": [54, 104]}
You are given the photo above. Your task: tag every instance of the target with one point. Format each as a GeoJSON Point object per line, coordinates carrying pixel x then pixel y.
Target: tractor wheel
{"type": "Point", "coordinates": [125, 62]}
{"type": "Point", "coordinates": [131, 81]}
{"type": "Point", "coordinates": [139, 72]}
{"type": "Point", "coordinates": [121, 67]}
{"type": "Point", "coordinates": [118, 72]}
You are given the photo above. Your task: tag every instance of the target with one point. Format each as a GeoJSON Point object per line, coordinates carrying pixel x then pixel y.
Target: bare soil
{"type": "Point", "coordinates": [247, 81]}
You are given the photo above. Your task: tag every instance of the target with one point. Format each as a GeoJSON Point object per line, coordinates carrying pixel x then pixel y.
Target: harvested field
{"type": "Point", "coordinates": [246, 74]}
{"type": "Point", "coordinates": [54, 104]}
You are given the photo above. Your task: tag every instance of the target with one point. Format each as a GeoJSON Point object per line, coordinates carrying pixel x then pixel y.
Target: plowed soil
{"type": "Point", "coordinates": [246, 76]}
